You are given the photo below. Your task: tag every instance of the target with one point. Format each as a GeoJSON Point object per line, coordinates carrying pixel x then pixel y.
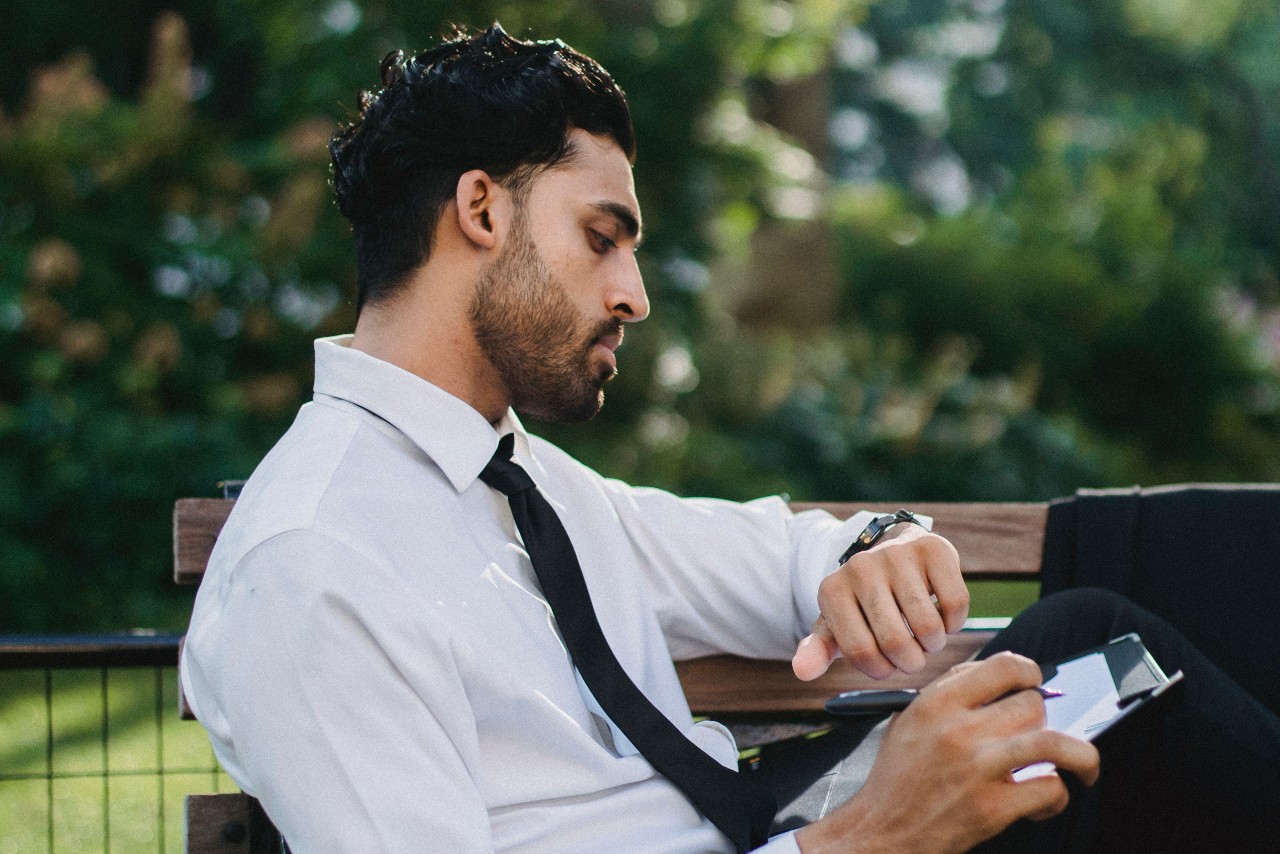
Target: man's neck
{"type": "Point", "coordinates": [432, 339]}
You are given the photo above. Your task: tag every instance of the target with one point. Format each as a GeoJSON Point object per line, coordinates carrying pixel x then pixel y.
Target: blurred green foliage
{"type": "Point", "coordinates": [1121, 241]}
{"type": "Point", "coordinates": [1054, 227]}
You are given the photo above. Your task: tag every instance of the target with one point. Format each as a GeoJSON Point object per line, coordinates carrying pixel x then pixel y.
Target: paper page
{"type": "Point", "coordinates": [1089, 696]}
{"type": "Point", "coordinates": [1089, 700]}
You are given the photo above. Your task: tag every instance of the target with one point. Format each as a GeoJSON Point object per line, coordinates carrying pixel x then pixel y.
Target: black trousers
{"type": "Point", "coordinates": [1197, 772]}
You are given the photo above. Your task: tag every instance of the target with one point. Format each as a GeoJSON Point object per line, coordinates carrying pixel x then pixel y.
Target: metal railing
{"type": "Point", "coordinates": [93, 756]}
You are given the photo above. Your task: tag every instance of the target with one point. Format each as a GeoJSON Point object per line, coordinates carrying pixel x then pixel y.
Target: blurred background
{"type": "Point", "coordinates": [908, 249]}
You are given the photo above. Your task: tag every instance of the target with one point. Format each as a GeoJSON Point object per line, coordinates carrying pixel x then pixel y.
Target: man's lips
{"type": "Point", "coordinates": [607, 344]}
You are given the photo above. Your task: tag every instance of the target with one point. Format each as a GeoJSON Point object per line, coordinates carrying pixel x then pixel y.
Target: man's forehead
{"type": "Point", "coordinates": [598, 173]}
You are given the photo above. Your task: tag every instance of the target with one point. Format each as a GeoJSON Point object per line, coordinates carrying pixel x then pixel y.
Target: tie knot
{"type": "Point", "coordinates": [502, 473]}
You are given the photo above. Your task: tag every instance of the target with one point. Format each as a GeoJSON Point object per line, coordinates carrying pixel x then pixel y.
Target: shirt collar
{"type": "Point", "coordinates": [447, 429]}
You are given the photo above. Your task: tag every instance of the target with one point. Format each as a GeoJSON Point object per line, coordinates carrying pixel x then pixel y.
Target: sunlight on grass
{"type": "Point", "coordinates": [1001, 598]}
{"type": "Point", "coordinates": [98, 759]}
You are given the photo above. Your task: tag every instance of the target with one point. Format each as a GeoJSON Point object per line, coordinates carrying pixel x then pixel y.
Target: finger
{"type": "Point", "coordinates": [988, 680]}
{"type": "Point", "coordinates": [843, 616]}
{"type": "Point", "coordinates": [1068, 753]}
{"type": "Point", "coordinates": [815, 652]}
{"type": "Point", "coordinates": [1076, 756]}
{"type": "Point", "coordinates": [947, 583]}
{"type": "Point", "coordinates": [1038, 799]}
{"type": "Point", "coordinates": [1021, 711]}
{"type": "Point", "coordinates": [917, 606]}
{"type": "Point", "coordinates": [882, 628]}
{"type": "Point", "coordinates": [877, 638]}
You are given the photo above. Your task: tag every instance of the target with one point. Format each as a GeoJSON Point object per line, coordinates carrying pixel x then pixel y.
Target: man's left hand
{"type": "Point", "coordinates": [887, 607]}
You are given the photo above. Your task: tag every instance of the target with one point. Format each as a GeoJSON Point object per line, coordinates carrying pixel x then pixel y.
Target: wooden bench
{"type": "Point", "coordinates": [996, 541]}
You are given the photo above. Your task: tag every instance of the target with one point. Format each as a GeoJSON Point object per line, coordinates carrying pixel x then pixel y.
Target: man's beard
{"type": "Point", "coordinates": [529, 329]}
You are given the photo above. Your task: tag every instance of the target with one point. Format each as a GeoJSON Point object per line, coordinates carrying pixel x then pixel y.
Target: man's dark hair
{"type": "Point", "coordinates": [486, 101]}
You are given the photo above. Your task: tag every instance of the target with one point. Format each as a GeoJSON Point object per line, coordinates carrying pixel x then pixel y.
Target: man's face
{"type": "Point", "coordinates": [548, 313]}
{"type": "Point", "coordinates": [536, 339]}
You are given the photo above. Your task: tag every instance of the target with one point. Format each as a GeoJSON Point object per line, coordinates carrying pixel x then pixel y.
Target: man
{"type": "Point", "coordinates": [377, 649]}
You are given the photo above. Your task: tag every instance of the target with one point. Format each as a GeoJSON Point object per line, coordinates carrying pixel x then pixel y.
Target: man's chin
{"type": "Point", "coordinates": [577, 411]}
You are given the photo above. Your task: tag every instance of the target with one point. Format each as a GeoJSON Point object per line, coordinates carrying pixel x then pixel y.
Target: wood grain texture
{"type": "Point", "coordinates": [229, 824]}
{"type": "Point", "coordinates": [218, 824]}
{"type": "Point", "coordinates": [728, 685]}
{"type": "Point", "coordinates": [996, 540]}
{"type": "Point", "coordinates": [196, 525]}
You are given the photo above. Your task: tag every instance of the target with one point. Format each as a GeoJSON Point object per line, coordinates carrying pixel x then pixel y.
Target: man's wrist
{"type": "Point", "coordinates": [844, 831]}
{"type": "Point", "coordinates": [898, 532]}
{"type": "Point", "coordinates": [878, 529]}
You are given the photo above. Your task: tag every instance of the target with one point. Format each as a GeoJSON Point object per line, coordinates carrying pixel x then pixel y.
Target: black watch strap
{"type": "Point", "coordinates": [875, 530]}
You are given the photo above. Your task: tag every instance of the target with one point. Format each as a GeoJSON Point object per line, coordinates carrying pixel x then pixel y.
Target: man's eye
{"type": "Point", "coordinates": [600, 243]}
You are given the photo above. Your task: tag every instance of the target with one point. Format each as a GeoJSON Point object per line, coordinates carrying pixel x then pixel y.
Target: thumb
{"type": "Point", "coordinates": [815, 653]}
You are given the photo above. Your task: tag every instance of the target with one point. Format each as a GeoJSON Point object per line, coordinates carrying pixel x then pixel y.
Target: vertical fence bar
{"type": "Point", "coordinates": [160, 769]}
{"type": "Point", "coordinates": [106, 764]}
{"type": "Point", "coordinates": [48, 752]}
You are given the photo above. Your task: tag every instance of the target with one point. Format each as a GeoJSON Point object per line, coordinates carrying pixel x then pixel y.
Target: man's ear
{"type": "Point", "coordinates": [483, 208]}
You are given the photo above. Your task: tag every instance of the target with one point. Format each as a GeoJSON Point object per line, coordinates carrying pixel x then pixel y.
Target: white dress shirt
{"type": "Point", "coordinates": [373, 658]}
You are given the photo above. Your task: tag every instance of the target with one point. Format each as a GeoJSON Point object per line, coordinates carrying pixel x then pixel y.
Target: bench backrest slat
{"type": "Point", "coordinates": [196, 525]}
{"type": "Point", "coordinates": [996, 540]}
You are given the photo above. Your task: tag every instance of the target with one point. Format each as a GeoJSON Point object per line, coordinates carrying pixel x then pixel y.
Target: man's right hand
{"type": "Point", "coordinates": [942, 781]}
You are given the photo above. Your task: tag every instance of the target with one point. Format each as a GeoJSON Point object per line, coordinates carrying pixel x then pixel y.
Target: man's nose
{"type": "Point", "coordinates": [628, 300]}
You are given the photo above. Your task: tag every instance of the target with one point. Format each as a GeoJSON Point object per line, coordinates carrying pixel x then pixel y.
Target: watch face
{"type": "Point", "coordinates": [873, 531]}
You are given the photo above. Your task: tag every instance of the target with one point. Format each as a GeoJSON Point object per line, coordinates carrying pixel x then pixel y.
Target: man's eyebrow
{"type": "Point", "coordinates": [625, 218]}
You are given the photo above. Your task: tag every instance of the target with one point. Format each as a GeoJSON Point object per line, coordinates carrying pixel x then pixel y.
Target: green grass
{"type": "Point", "coordinates": [1001, 598]}
{"type": "Point", "coordinates": [98, 760]}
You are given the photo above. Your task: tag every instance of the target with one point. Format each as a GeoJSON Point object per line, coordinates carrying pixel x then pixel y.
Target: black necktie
{"type": "Point", "coordinates": [741, 810]}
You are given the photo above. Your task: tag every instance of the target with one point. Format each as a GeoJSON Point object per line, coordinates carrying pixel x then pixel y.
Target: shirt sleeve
{"type": "Point", "coordinates": [314, 691]}
{"type": "Point", "coordinates": [731, 577]}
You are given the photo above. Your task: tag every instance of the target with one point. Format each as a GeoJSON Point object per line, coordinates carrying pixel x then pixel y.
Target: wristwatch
{"type": "Point", "coordinates": [875, 531]}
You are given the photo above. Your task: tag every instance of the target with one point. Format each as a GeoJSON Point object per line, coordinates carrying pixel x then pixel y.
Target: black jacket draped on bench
{"type": "Point", "coordinates": [1204, 557]}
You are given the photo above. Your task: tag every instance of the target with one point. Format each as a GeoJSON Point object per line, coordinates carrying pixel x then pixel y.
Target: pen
{"type": "Point", "coordinates": [882, 702]}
